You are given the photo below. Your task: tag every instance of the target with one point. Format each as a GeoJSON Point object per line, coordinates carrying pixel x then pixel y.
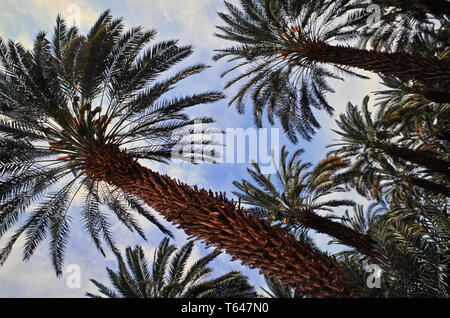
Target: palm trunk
{"type": "Point", "coordinates": [434, 95]}
{"type": "Point", "coordinates": [430, 186]}
{"type": "Point", "coordinates": [346, 235]}
{"type": "Point", "coordinates": [223, 224]}
{"type": "Point", "coordinates": [402, 65]}
{"type": "Point", "coordinates": [436, 7]}
{"type": "Point", "coordinates": [443, 134]}
{"type": "Point", "coordinates": [421, 158]}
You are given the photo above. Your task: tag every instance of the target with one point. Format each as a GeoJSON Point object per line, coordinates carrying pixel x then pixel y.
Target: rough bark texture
{"type": "Point", "coordinates": [223, 224]}
{"type": "Point", "coordinates": [348, 236]}
{"type": "Point", "coordinates": [402, 65]}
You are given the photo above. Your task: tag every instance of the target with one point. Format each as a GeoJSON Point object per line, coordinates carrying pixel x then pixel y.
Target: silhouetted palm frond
{"type": "Point", "coordinates": [170, 276]}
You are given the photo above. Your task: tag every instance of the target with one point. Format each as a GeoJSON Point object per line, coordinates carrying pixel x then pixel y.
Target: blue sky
{"type": "Point", "coordinates": [192, 22]}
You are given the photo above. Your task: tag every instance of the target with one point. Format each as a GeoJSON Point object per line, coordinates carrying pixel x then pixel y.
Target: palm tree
{"type": "Point", "coordinates": [48, 123]}
{"type": "Point", "coordinates": [285, 43]}
{"type": "Point", "coordinates": [410, 96]}
{"type": "Point", "coordinates": [382, 149]}
{"type": "Point", "coordinates": [404, 27]}
{"type": "Point", "coordinates": [423, 126]}
{"type": "Point", "coordinates": [298, 192]}
{"type": "Point", "coordinates": [83, 105]}
{"type": "Point", "coordinates": [169, 276]}
{"type": "Point", "coordinates": [278, 290]}
{"type": "Point", "coordinates": [412, 250]}
{"type": "Point", "coordinates": [419, 6]}
{"type": "Point", "coordinates": [399, 24]}
{"type": "Point", "coordinates": [408, 110]}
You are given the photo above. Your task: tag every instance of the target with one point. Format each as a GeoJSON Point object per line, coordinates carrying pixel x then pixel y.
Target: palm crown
{"type": "Point", "coordinates": [65, 96]}
{"type": "Point", "coordinates": [296, 193]}
{"type": "Point", "coordinates": [281, 79]}
{"type": "Point", "coordinates": [400, 146]}
{"type": "Point", "coordinates": [412, 249]}
{"type": "Point", "coordinates": [296, 186]}
{"type": "Point", "coordinates": [285, 44]}
{"type": "Point", "coordinates": [169, 276]}
{"type": "Point", "coordinates": [399, 23]}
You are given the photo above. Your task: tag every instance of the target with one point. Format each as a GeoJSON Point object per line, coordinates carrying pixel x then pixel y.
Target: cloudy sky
{"type": "Point", "coordinates": [192, 22]}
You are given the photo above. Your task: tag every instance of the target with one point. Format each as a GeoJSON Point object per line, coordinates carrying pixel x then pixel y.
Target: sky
{"type": "Point", "coordinates": [192, 22]}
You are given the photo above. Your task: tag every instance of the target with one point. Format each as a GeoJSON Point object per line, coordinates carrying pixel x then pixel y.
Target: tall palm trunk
{"type": "Point", "coordinates": [222, 223]}
{"type": "Point", "coordinates": [348, 236]}
{"type": "Point", "coordinates": [430, 186]}
{"type": "Point", "coordinates": [434, 95]}
{"type": "Point", "coordinates": [402, 65]}
{"type": "Point", "coordinates": [421, 158]}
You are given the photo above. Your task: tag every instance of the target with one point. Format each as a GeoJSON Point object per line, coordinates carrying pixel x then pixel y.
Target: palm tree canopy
{"type": "Point", "coordinates": [293, 197]}
{"type": "Point", "coordinates": [65, 96]}
{"type": "Point", "coordinates": [169, 276]}
{"type": "Point", "coordinates": [282, 81]}
{"type": "Point", "coordinates": [296, 186]}
{"type": "Point", "coordinates": [403, 140]}
{"type": "Point", "coordinates": [277, 289]}
{"type": "Point", "coordinates": [286, 46]}
{"type": "Point", "coordinates": [413, 249]}
{"type": "Point", "coordinates": [399, 23]}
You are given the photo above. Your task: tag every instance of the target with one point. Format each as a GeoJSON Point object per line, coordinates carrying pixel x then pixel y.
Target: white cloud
{"type": "Point", "coordinates": [68, 9]}
{"type": "Point", "coordinates": [190, 21]}
{"type": "Point", "coordinates": [36, 277]}
{"type": "Point", "coordinates": [189, 174]}
{"type": "Point", "coordinates": [21, 20]}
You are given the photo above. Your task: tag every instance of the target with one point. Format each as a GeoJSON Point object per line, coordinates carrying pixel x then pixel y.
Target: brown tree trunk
{"type": "Point", "coordinates": [421, 158]}
{"type": "Point", "coordinates": [435, 95]}
{"type": "Point", "coordinates": [430, 186]}
{"type": "Point", "coordinates": [223, 224]}
{"type": "Point", "coordinates": [348, 236]}
{"type": "Point", "coordinates": [402, 65]}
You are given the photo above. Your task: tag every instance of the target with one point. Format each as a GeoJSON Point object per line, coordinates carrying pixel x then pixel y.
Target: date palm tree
{"type": "Point", "coordinates": [170, 277]}
{"type": "Point", "coordinates": [285, 44]}
{"type": "Point", "coordinates": [277, 290]}
{"type": "Point", "coordinates": [405, 26]}
{"type": "Point", "coordinates": [382, 150]}
{"type": "Point", "coordinates": [412, 244]}
{"type": "Point", "coordinates": [399, 23]}
{"type": "Point", "coordinates": [83, 106]}
{"type": "Point", "coordinates": [49, 121]}
{"type": "Point", "coordinates": [414, 114]}
{"type": "Point", "coordinates": [293, 197]}
{"type": "Point", "coordinates": [420, 7]}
